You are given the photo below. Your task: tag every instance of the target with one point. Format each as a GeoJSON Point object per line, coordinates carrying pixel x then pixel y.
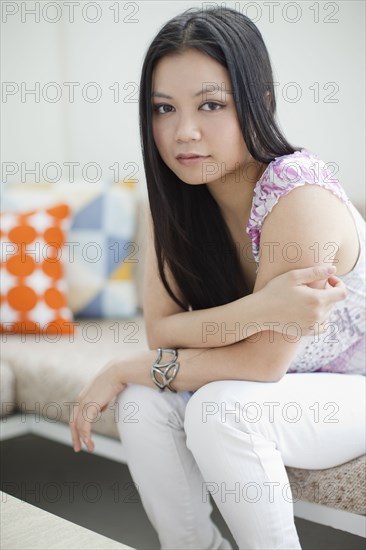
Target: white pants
{"type": "Point", "coordinates": [233, 439]}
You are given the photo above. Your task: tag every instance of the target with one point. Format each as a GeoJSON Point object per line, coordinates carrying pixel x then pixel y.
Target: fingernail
{"type": "Point", "coordinates": [331, 269]}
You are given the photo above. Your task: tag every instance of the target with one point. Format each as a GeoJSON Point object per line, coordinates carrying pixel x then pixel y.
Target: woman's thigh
{"type": "Point", "coordinates": [316, 420]}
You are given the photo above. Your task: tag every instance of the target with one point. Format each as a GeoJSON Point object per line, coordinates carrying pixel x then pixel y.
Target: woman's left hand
{"type": "Point", "coordinates": [91, 401]}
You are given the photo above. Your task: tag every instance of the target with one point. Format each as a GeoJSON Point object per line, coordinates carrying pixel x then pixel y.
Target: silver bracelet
{"type": "Point", "coordinates": [162, 369]}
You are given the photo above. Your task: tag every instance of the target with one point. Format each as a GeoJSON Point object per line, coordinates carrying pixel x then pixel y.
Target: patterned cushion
{"type": "Point", "coordinates": [342, 487]}
{"type": "Point", "coordinates": [33, 283]}
{"type": "Point", "coordinates": [100, 250]}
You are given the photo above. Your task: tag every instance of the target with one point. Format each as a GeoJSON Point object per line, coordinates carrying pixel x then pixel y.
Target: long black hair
{"type": "Point", "coordinates": [190, 234]}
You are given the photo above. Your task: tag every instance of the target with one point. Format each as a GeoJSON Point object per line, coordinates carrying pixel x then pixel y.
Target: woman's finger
{"type": "Point", "coordinates": [89, 444]}
{"type": "Point", "coordinates": [83, 431]}
{"type": "Point", "coordinates": [75, 440]}
{"type": "Point", "coordinates": [74, 433]}
{"type": "Point", "coordinates": [311, 274]}
{"type": "Point", "coordinates": [84, 422]}
{"type": "Point", "coordinates": [338, 290]}
{"type": "Point", "coordinates": [335, 281]}
{"type": "Point", "coordinates": [80, 431]}
{"type": "Point", "coordinates": [82, 434]}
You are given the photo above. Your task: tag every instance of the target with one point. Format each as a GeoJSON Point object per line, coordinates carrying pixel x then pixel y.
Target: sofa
{"type": "Point", "coordinates": [41, 377]}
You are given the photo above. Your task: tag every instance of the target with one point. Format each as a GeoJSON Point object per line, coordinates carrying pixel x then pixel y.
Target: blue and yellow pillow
{"type": "Point", "coordinates": [100, 249]}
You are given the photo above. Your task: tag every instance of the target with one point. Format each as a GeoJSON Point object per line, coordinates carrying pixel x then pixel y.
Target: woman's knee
{"type": "Point", "coordinates": [143, 405]}
{"type": "Point", "coordinates": [137, 394]}
{"type": "Point", "coordinates": [203, 404]}
{"type": "Point", "coordinates": [132, 406]}
{"type": "Point", "coordinates": [223, 403]}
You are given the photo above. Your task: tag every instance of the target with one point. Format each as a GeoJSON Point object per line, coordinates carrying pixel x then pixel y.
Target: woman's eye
{"type": "Point", "coordinates": [212, 103]}
{"type": "Point", "coordinates": [157, 107]}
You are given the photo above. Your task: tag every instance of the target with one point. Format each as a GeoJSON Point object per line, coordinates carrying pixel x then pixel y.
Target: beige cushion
{"type": "Point", "coordinates": [7, 388]}
{"type": "Point", "coordinates": [50, 374]}
{"type": "Point", "coordinates": [341, 487]}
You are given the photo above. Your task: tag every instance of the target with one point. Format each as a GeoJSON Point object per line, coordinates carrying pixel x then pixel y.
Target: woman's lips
{"type": "Point", "coordinates": [192, 160]}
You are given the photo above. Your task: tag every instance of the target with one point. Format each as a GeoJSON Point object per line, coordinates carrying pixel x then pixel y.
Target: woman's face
{"type": "Point", "coordinates": [199, 117]}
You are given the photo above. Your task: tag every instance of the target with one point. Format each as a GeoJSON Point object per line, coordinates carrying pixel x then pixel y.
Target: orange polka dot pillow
{"type": "Point", "coordinates": [33, 287]}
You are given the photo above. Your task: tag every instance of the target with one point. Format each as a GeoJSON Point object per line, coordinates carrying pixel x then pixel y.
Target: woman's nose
{"type": "Point", "coordinates": [186, 130]}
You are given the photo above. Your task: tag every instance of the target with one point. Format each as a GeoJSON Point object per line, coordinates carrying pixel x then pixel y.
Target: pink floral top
{"type": "Point", "coordinates": [342, 347]}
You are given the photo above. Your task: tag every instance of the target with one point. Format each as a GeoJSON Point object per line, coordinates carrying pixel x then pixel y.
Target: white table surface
{"type": "Point", "coordinates": [26, 527]}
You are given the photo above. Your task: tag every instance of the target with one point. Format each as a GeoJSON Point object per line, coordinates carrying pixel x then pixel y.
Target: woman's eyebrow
{"type": "Point", "coordinates": [161, 94]}
{"type": "Point", "coordinates": [200, 92]}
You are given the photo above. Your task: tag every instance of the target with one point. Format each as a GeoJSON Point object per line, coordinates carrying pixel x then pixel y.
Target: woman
{"type": "Point", "coordinates": [230, 246]}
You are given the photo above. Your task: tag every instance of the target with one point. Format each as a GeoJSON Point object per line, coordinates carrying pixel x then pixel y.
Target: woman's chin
{"type": "Point", "coordinates": [191, 181]}
{"type": "Point", "coordinates": [191, 177]}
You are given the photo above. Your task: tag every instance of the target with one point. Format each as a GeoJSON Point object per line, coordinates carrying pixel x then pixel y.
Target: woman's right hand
{"type": "Point", "coordinates": [302, 298]}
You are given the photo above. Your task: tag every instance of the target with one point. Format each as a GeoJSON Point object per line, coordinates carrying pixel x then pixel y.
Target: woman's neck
{"type": "Point", "coordinates": [234, 197]}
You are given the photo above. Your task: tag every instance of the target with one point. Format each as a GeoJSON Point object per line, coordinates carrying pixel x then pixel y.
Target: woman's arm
{"type": "Point", "coordinates": [308, 215]}
{"type": "Point", "coordinates": [244, 360]}
{"type": "Point", "coordinates": [211, 327]}
{"type": "Point", "coordinates": [197, 367]}
{"type": "Point", "coordinates": [169, 325]}
{"type": "Point", "coordinates": [287, 299]}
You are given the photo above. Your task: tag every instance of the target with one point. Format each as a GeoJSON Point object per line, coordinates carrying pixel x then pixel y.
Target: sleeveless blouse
{"type": "Point", "coordinates": [341, 348]}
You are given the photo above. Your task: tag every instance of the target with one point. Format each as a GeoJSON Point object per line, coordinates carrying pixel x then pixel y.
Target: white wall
{"type": "Point", "coordinates": [303, 52]}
